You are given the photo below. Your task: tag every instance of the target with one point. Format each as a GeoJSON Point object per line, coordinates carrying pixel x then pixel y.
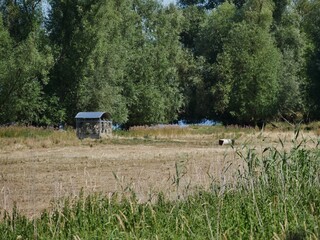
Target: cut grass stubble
{"type": "Point", "coordinates": [274, 195]}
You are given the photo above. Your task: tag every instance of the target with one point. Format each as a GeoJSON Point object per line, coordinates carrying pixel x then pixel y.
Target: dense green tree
{"type": "Point", "coordinates": [21, 17]}
{"type": "Point", "coordinates": [215, 31]}
{"type": "Point", "coordinates": [88, 48]}
{"type": "Point", "coordinates": [291, 41]}
{"type": "Point", "coordinates": [201, 37]}
{"type": "Point", "coordinates": [25, 60]}
{"type": "Point", "coordinates": [247, 70]}
{"type": "Point", "coordinates": [152, 88]}
{"type": "Point", "coordinates": [234, 38]}
{"type": "Point", "coordinates": [310, 10]}
{"type": "Point", "coordinates": [118, 57]}
{"type": "Point", "coordinates": [197, 99]}
{"type": "Point", "coordinates": [194, 17]}
{"type": "Point", "coordinates": [71, 48]}
{"type": "Point", "coordinates": [248, 76]}
{"type": "Point", "coordinates": [23, 73]}
{"type": "Point", "coordinates": [101, 83]}
{"type": "Point", "coordinates": [239, 61]}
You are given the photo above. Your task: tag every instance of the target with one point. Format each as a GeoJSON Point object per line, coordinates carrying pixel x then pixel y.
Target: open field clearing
{"type": "Point", "coordinates": [160, 183]}
{"type": "Point", "coordinates": [33, 177]}
{"type": "Point", "coordinates": [34, 170]}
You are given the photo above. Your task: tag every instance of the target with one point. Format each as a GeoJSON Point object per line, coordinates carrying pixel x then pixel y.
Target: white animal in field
{"type": "Point", "coordinates": [225, 141]}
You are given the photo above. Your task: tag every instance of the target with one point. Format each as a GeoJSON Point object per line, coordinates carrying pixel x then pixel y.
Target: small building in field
{"type": "Point", "coordinates": [93, 125]}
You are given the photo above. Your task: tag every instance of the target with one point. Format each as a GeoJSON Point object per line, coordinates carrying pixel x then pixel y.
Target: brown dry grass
{"type": "Point", "coordinates": [34, 171]}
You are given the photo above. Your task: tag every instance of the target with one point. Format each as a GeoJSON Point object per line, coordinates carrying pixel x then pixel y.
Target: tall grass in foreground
{"type": "Point", "coordinates": [275, 196]}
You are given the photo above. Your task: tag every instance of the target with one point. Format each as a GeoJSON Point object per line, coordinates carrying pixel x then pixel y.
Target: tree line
{"type": "Point", "coordinates": [239, 61]}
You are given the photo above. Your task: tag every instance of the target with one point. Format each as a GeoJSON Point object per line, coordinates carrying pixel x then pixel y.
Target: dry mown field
{"type": "Point", "coordinates": [35, 171]}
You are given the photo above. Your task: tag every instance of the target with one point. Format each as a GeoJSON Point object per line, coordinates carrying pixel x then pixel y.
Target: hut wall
{"type": "Point", "coordinates": [93, 128]}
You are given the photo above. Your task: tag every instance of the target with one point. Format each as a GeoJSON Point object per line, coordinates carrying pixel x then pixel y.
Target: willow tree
{"type": "Point", "coordinates": [248, 68]}
{"type": "Point", "coordinates": [25, 59]}
{"type": "Point", "coordinates": [152, 87]}
{"type": "Point", "coordinates": [116, 56]}
{"type": "Point", "coordinates": [311, 16]}
{"type": "Point", "coordinates": [88, 48]}
{"type": "Point", "coordinates": [292, 42]}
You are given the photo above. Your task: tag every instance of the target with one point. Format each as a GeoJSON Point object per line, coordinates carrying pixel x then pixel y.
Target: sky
{"type": "Point", "coordinates": [166, 2]}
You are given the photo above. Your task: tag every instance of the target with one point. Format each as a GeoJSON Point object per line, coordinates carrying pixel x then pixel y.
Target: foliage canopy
{"type": "Point", "coordinates": [145, 63]}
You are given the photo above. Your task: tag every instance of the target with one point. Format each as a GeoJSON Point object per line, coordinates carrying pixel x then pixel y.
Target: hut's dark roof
{"type": "Point", "coordinates": [90, 115]}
